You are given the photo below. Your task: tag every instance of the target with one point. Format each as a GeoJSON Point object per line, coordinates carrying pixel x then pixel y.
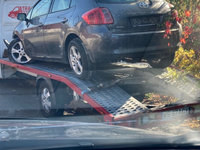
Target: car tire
{"type": "Point", "coordinates": [162, 62]}
{"type": "Point", "coordinates": [78, 59]}
{"type": "Point", "coordinates": [49, 104]}
{"type": "Point", "coordinates": [17, 54]}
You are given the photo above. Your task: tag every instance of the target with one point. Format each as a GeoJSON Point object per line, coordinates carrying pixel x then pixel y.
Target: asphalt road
{"type": "Point", "coordinates": [18, 99]}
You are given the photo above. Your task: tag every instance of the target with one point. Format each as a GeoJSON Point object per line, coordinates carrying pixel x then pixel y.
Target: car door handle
{"type": "Point", "coordinates": [64, 20]}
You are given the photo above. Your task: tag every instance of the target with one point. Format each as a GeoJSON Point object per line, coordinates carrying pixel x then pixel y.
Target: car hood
{"type": "Point", "coordinates": [43, 133]}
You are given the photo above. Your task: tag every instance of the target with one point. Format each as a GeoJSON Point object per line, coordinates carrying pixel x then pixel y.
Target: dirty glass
{"type": "Point", "coordinates": [103, 73]}
{"type": "Point", "coordinates": [60, 5]}
{"type": "Point", "coordinates": [116, 1]}
{"type": "Point", "coordinates": [41, 8]}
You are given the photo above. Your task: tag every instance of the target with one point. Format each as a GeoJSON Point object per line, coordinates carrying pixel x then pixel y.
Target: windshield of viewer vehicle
{"type": "Point", "coordinates": [127, 70]}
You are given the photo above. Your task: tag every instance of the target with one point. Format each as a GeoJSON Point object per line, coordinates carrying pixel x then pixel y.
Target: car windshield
{"type": "Point", "coordinates": [92, 73]}
{"type": "Point", "coordinates": [16, 9]}
{"type": "Point", "coordinates": [116, 1]}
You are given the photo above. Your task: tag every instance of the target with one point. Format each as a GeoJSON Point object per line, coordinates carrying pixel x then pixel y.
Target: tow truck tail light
{"type": "Point", "coordinates": [98, 16]}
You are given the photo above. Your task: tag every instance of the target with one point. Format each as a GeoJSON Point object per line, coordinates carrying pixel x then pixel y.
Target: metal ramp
{"type": "Point", "coordinates": [112, 102]}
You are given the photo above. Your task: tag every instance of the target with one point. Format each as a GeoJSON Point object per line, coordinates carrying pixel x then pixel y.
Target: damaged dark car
{"type": "Point", "coordinates": [90, 32]}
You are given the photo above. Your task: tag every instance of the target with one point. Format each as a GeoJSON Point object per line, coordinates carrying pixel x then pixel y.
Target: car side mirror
{"type": "Point", "coordinates": [22, 17]}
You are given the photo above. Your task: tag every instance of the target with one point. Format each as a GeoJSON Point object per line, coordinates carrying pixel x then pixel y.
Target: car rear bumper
{"type": "Point", "coordinates": [109, 47]}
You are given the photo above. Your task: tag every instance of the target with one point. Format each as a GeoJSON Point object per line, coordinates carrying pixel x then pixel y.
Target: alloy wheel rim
{"type": "Point", "coordinates": [75, 60]}
{"type": "Point", "coordinates": [18, 53]}
{"type": "Point", "coordinates": [46, 101]}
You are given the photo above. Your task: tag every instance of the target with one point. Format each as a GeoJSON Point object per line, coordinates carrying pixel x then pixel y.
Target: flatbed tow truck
{"type": "Point", "coordinates": [108, 92]}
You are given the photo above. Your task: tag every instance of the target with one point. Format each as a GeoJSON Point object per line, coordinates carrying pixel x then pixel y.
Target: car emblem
{"type": "Point", "coordinates": [143, 4]}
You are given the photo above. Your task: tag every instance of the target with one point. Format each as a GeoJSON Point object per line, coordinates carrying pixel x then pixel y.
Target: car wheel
{"type": "Point", "coordinates": [78, 59]}
{"type": "Point", "coordinates": [48, 103]}
{"type": "Point", "coordinates": [162, 62]}
{"type": "Point", "coordinates": [12, 16]}
{"type": "Point", "coordinates": [17, 53]}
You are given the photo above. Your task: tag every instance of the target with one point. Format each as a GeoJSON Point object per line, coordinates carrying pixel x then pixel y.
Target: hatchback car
{"type": "Point", "coordinates": [84, 33]}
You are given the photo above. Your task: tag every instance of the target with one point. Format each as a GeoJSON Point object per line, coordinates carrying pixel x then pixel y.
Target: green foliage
{"type": "Point", "coordinates": [188, 56]}
{"type": "Point", "coordinates": [188, 61]}
{"type": "Point", "coordinates": [153, 99]}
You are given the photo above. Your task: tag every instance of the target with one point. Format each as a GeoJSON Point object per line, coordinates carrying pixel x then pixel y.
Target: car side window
{"type": "Point", "coordinates": [73, 3]}
{"type": "Point", "coordinates": [16, 9]}
{"type": "Point", "coordinates": [41, 8]}
{"type": "Point", "coordinates": [60, 5]}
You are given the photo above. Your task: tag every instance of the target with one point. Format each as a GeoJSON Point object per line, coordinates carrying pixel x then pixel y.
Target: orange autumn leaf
{"type": "Point", "coordinates": [168, 31]}
{"type": "Point", "coordinates": [187, 13]}
{"type": "Point", "coordinates": [183, 41]}
{"type": "Point", "coordinates": [168, 25]}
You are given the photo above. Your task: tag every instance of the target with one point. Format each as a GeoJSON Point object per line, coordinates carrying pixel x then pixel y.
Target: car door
{"type": "Point", "coordinates": [56, 26]}
{"type": "Point", "coordinates": [33, 34]}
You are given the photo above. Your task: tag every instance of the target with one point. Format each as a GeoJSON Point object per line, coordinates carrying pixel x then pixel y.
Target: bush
{"type": "Point", "coordinates": [188, 56]}
{"type": "Point", "coordinates": [188, 61]}
{"type": "Point", "coordinates": [188, 16]}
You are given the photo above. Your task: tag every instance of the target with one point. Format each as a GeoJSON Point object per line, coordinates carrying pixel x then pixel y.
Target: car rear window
{"type": "Point", "coordinates": [116, 1]}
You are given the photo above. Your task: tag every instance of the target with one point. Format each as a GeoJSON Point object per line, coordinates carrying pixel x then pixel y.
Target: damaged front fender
{"type": "Point", "coordinates": [5, 53]}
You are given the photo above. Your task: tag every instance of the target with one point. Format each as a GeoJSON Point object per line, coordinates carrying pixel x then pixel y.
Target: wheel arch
{"type": "Point", "coordinates": [15, 36]}
{"type": "Point", "coordinates": [41, 79]}
{"type": "Point", "coordinates": [53, 84]}
{"type": "Point", "coordinates": [69, 38]}
{"type": "Point", "coordinates": [61, 93]}
{"type": "Point", "coordinates": [72, 36]}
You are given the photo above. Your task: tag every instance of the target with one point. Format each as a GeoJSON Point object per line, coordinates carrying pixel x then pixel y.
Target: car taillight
{"type": "Point", "coordinates": [98, 16]}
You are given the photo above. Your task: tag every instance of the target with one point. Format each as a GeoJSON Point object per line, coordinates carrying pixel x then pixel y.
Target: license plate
{"type": "Point", "coordinates": [145, 20]}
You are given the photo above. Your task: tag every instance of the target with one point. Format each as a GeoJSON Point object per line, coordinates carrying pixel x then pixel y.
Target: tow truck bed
{"type": "Point", "coordinates": [112, 101]}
